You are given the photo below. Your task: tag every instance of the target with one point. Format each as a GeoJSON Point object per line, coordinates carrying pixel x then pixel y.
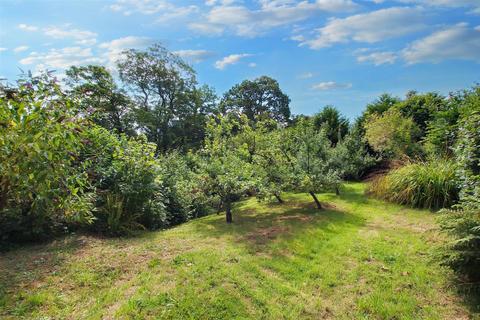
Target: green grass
{"type": "Point", "coordinates": [358, 259]}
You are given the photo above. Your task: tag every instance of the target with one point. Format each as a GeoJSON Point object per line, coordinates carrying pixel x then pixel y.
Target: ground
{"type": "Point", "coordinates": [358, 259]}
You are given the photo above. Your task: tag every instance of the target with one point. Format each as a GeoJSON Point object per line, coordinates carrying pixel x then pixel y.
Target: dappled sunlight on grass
{"type": "Point", "coordinates": [357, 259]}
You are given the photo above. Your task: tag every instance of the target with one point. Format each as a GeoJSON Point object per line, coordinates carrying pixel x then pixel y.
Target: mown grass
{"type": "Point", "coordinates": [358, 259]}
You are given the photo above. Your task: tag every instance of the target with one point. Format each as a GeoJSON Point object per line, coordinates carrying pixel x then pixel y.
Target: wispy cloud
{"type": "Point", "coordinates": [331, 85]}
{"type": "Point", "coordinates": [115, 48]}
{"type": "Point", "coordinates": [455, 42]}
{"type": "Point", "coordinates": [306, 75]}
{"type": "Point", "coordinates": [375, 57]}
{"type": "Point", "coordinates": [20, 49]}
{"type": "Point", "coordinates": [61, 58]}
{"type": "Point", "coordinates": [27, 27]}
{"type": "Point", "coordinates": [195, 55]}
{"type": "Point", "coordinates": [230, 59]}
{"type": "Point", "coordinates": [368, 27]}
{"type": "Point", "coordinates": [249, 22]}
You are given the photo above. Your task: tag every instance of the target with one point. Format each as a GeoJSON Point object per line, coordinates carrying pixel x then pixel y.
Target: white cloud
{"type": "Point", "coordinates": [128, 7]}
{"type": "Point", "coordinates": [444, 3]}
{"type": "Point", "coordinates": [369, 27]}
{"type": "Point", "coordinates": [194, 55]}
{"type": "Point", "coordinates": [165, 10]}
{"type": "Point", "coordinates": [116, 47]}
{"type": "Point", "coordinates": [306, 75]}
{"type": "Point", "coordinates": [176, 13]}
{"type": "Point", "coordinates": [375, 57]}
{"type": "Point", "coordinates": [20, 49]}
{"type": "Point", "coordinates": [3, 49]}
{"type": "Point", "coordinates": [61, 58]}
{"type": "Point", "coordinates": [231, 59]}
{"type": "Point", "coordinates": [248, 22]}
{"type": "Point", "coordinates": [252, 65]}
{"type": "Point", "coordinates": [331, 85]}
{"type": "Point", "coordinates": [27, 27]}
{"type": "Point", "coordinates": [82, 37]}
{"type": "Point", "coordinates": [455, 42]}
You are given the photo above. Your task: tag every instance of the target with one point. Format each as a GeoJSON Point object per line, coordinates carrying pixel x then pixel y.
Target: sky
{"type": "Point", "coordinates": [322, 52]}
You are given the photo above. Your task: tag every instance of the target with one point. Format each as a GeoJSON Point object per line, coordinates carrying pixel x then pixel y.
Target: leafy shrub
{"type": "Point", "coordinates": [42, 184]}
{"type": "Point", "coordinates": [124, 172]}
{"type": "Point", "coordinates": [185, 190]}
{"type": "Point", "coordinates": [350, 156]}
{"type": "Point", "coordinates": [431, 185]}
{"type": "Point", "coordinates": [391, 133]}
{"type": "Point", "coordinates": [463, 254]}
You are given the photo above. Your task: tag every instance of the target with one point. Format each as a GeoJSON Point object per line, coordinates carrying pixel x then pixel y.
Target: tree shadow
{"type": "Point", "coordinates": [32, 263]}
{"type": "Point", "coordinates": [256, 225]}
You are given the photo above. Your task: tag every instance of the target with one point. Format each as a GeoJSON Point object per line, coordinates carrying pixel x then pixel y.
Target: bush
{"type": "Point", "coordinates": [432, 185]}
{"type": "Point", "coordinates": [463, 254]}
{"type": "Point", "coordinates": [392, 134]}
{"type": "Point", "coordinates": [124, 172]}
{"type": "Point", "coordinates": [42, 184]}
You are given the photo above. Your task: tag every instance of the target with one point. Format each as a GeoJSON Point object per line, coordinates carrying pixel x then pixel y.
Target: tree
{"type": "Point", "coordinates": [271, 167]}
{"type": "Point", "coordinates": [227, 169]}
{"type": "Point", "coordinates": [312, 167]}
{"type": "Point", "coordinates": [391, 133]}
{"type": "Point", "coordinates": [169, 105]}
{"type": "Point", "coordinates": [335, 125]}
{"type": "Point", "coordinates": [350, 156]}
{"type": "Point", "coordinates": [260, 98]}
{"type": "Point", "coordinates": [379, 106]}
{"type": "Point", "coordinates": [422, 108]}
{"type": "Point", "coordinates": [99, 97]}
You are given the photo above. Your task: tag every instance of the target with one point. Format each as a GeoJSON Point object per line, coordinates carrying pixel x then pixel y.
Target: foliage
{"type": "Point", "coordinates": [361, 259]}
{"type": "Point", "coordinates": [169, 106]}
{"type": "Point", "coordinates": [378, 107]}
{"type": "Point", "coordinates": [124, 172]}
{"type": "Point", "coordinates": [391, 133]}
{"type": "Point", "coordinates": [272, 168]}
{"type": "Point", "coordinates": [182, 180]}
{"type": "Point", "coordinates": [350, 156]}
{"type": "Point", "coordinates": [98, 96]}
{"type": "Point", "coordinates": [41, 181]}
{"type": "Point", "coordinates": [261, 98]}
{"type": "Point", "coordinates": [421, 108]}
{"type": "Point", "coordinates": [463, 254]}
{"type": "Point", "coordinates": [432, 185]}
{"type": "Point", "coordinates": [313, 170]}
{"type": "Point", "coordinates": [228, 172]}
{"type": "Point", "coordinates": [332, 122]}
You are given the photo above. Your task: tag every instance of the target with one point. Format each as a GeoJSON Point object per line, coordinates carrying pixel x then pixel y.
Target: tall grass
{"type": "Point", "coordinates": [432, 185]}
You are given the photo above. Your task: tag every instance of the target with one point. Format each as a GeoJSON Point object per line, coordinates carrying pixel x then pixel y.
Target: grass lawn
{"type": "Point", "coordinates": [358, 259]}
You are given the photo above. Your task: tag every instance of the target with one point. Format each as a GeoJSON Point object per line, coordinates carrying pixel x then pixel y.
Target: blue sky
{"type": "Point", "coordinates": [340, 52]}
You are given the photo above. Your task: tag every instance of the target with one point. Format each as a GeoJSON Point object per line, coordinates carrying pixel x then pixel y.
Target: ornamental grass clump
{"type": "Point", "coordinates": [432, 185]}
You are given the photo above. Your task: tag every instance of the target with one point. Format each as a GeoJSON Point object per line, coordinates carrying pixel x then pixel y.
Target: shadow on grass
{"type": "Point", "coordinates": [257, 224]}
{"type": "Point", "coordinates": [21, 267]}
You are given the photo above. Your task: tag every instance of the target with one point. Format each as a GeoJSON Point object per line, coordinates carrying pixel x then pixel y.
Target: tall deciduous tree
{"type": "Point", "coordinates": [169, 105]}
{"type": "Point", "coordinates": [99, 97]}
{"type": "Point", "coordinates": [260, 98]}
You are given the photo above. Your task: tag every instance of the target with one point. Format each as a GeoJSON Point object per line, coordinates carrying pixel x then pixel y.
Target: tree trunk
{"type": "Point", "coordinates": [319, 205]}
{"type": "Point", "coordinates": [228, 211]}
{"type": "Point", "coordinates": [280, 200]}
{"type": "Point", "coordinates": [337, 190]}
